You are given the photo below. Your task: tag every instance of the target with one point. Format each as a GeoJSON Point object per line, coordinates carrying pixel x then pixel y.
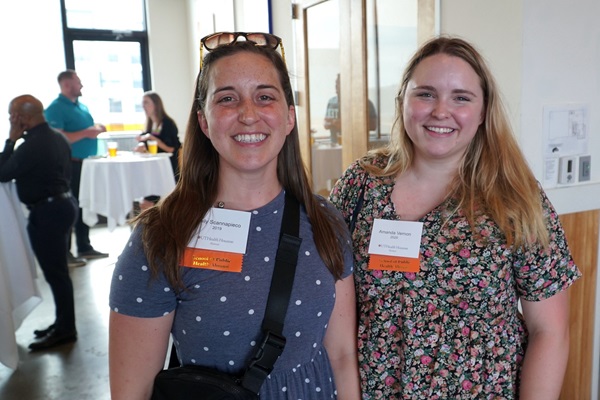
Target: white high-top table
{"type": "Point", "coordinates": [110, 185]}
{"type": "Point", "coordinates": [19, 293]}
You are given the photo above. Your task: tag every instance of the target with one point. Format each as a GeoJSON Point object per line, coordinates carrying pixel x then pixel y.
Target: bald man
{"type": "Point", "coordinates": [41, 166]}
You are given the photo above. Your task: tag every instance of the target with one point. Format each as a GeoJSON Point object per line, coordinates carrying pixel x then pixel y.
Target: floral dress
{"type": "Point", "coordinates": [453, 329]}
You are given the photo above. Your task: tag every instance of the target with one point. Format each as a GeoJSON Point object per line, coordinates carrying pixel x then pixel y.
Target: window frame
{"type": "Point", "coordinates": [106, 35]}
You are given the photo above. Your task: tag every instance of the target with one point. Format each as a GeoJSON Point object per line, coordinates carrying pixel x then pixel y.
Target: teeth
{"type": "Point", "coordinates": [439, 130]}
{"type": "Point", "coordinates": [250, 138]}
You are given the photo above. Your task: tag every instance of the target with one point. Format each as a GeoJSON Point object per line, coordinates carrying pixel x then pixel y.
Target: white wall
{"type": "Point", "coordinates": [542, 52]}
{"type": "Point", "coordinates": [32, 53]}
{"type": "Point", "coordinates": [561, 65]}
{"type": "Point", "coordinates": [495, 28]}
{"type": "Point", "coordinates": [170, 57]}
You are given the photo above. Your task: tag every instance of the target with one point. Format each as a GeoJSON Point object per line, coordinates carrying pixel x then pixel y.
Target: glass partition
{"type": "Point", "coordinates": [323, 56]}
{"type": "Point", "coordinates": [391, 41]}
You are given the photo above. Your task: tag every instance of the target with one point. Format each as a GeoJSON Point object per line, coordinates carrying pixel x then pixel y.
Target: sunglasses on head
{"type": "Point", "coordinates": [260, 39]}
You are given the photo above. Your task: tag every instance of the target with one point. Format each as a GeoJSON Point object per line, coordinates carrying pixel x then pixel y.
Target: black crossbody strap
{"type": "Point", "coordinates": [359, 205]}
{"type": "Point", "coordinates": [279, 297]}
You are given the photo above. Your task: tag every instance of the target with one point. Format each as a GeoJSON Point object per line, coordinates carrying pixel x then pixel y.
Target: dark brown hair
{"type": "Point", "coordinates": [159, 109]}
{"type": "Point", "coordinates": [168, 226]}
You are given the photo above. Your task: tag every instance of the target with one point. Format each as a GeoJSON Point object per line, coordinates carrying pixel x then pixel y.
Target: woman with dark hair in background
{"type": "Point", "coordinates": [160, 128]}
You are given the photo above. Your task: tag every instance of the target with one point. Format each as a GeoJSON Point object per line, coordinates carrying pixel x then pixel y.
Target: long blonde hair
{"type": "Point", "coordinates": [494, 176]}
{"type": "Point", "coordinates": [169, 225]}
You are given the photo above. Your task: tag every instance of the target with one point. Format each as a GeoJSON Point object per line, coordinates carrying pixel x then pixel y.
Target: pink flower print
{"type": "Point", "coordinates": [410, 276]}
{"type": "Point", "coordinates": [430, 308]}
{"type": "Point", "coordinates": [465, 331]}
{"type": "Point", "coordinates": [425, 360]}
{"type": "Point", "coordinates": [463, 305]}
{"type": "Point", "coordinates": [393, 329]}
{"type": "Point", "coordinates": [376, 355]}
{"type": "Point", "coordinates": [377, 274]}
{"type": "Point", "coordinates": [465, 253]}
{"type": "Point", "coordinates": [429, 253]}
{"type": "Point", "coordinates": [466, 384]}
{"type": "Point", "coordinates": [389, 380]}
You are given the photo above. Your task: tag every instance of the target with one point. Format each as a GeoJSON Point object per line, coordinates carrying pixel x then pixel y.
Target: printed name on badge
{"type": "Point", "coordinates": [220, 241]}
{"type": "Point", "coordinates": [395, 245]}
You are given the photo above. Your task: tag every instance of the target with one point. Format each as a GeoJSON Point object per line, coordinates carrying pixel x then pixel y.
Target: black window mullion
{"type": "Point", "coordinates": [72, 34]}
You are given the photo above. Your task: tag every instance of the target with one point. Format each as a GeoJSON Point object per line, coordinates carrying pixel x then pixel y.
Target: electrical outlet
{"type": "Point", "coordinates": [567, 170]}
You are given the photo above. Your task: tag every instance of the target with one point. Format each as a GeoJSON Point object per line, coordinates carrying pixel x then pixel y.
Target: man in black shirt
{"type": "Point", "coordinates": [41, 166]}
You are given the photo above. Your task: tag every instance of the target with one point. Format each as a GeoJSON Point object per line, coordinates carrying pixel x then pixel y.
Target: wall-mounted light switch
{"type": "Point", "coordinates": [585, 168]}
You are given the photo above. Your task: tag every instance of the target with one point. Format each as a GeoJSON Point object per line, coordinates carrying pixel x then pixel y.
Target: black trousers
{"type": "Point", "coordinates": [82, 231]}
{"type": "Point", "coordinates": [49, 229]}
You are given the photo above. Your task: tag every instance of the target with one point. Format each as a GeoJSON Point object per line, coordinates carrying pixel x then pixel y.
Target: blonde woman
{"type": "Point", "coordinates": [463, 233]}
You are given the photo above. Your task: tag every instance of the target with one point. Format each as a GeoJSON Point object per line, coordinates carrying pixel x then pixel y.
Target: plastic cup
{"type": "Point", "coordinates": [152, 146]}
{"type": "Point", "coordinates": [112, 149]}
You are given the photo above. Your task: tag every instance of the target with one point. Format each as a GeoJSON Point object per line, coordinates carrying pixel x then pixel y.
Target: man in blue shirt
{"type": "Point", "coordinates": [67, 115]}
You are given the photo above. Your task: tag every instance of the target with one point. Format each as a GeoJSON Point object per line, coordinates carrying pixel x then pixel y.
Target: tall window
{"type": "Point", "coordinates": [106, 42]}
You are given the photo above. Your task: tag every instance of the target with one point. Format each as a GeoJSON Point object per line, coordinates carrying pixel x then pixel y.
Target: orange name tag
{"type": "Point", "coordinates": [210, 259]}
{"type": "Point", "coordinates": [389, 263]}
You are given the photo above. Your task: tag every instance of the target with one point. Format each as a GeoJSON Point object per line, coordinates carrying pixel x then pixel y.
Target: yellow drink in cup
{"type": "Point", "coordinates": [112, 149]}
{"type": "Point", "coordinates": [152, 146]}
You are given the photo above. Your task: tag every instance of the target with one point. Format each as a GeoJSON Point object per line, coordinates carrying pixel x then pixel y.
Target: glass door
{"type": "Point", "coordinates": [350, 55]}
{"type": "Point", "coordinates": [319, 105]}
{"type": "Point", "coordinates": [323, 51]}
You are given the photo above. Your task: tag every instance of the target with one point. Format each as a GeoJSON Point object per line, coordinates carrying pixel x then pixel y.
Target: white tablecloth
{"type": "Point", "coordinates": [19, 294]}
{"type": "Point", "coordinates": [109, 186]}
{"type": "Point", "coordinates": [326, 166]}
{"type": "Point", "coordinates": [126, 140]}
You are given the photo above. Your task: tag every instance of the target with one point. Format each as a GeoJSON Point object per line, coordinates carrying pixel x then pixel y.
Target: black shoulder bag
{"type": "Point", "coordinates": [191, 382]}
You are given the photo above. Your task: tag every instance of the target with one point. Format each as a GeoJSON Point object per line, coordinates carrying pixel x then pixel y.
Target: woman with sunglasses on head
{"type": "Point", "coordinates": [441, 320]}
{"type": "Point", "coordinates": [241, 157]}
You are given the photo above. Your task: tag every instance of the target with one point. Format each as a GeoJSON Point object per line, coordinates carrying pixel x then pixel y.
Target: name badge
{"type": "Point", "coordinates": [220, 241]}
{"type": "Point", "coordinates": [395, 245]}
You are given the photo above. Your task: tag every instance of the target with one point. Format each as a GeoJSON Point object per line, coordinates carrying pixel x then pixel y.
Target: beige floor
{"type": "Point", "coordinates": [76, 371]}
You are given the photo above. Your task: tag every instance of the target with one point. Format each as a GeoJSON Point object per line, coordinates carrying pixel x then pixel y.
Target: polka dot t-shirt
{"type": "Point", "coordinates": [218, 319]}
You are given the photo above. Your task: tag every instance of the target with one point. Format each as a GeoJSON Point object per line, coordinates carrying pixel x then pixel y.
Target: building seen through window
{"type": "Point", "coordinates": [109, 51]}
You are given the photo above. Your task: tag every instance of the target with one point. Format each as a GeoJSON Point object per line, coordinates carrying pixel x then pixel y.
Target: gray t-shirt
{"type": "Point", "coordinates": [218, 319]}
